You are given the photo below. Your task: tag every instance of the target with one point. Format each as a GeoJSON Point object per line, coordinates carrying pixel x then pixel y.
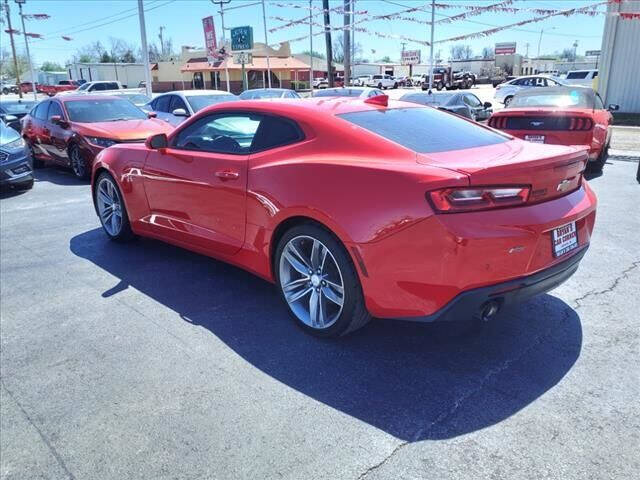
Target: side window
{"type": "Point", "coordinates": [96, 87]}
{"type": "Point", "coordinates": [223, 133]}
{"type": "Point", "coordinates": [162, 103]}
{"type": "Point", "coordinates": [177, 102]}
{"type": "Point", "coordinates": [54, 109]}
{"type": "Point", "coordinates": [111, 86]}
{"type": "Point", "coordinates": [276, 132]}
{"type": "Point", "coordinates": [472, 101]}
{"type": "Point", "coordinates": [41, 111]}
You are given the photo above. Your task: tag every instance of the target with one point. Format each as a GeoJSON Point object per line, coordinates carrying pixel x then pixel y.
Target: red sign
{"type": "Point", "coordinates": [210, 37]}
{"type": "Point", "coordinates": [506, 48]}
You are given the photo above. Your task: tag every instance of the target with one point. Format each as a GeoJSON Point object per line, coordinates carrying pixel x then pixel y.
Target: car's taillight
{"type": "Point", "coordinates": [498, 122]}
{"type": "Point", "coordinates": [580, 123]}
{"type": "Point", "coordinates": [468, 199]}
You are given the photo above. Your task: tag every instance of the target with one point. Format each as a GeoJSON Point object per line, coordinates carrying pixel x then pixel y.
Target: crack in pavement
{"type": "Point", "coordinates": [465, 396]}
{"type": "Point", "coordinates": [594, 293]}
{"type": "Point", "coordinates": [43, 437]}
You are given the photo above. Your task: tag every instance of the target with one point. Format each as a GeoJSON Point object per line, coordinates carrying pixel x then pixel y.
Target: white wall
{"type": "Point", "coordinates": [130, 74]}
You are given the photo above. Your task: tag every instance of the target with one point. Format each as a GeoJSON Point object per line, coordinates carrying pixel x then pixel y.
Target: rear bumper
{"type": "Point", "coordinates": [472, 302]}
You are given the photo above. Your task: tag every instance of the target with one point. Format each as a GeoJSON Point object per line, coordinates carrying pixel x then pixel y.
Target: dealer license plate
{"type": "Point", "coordinates": [564, 239]}
{"type": "Point", "coordinates": [534, 138]}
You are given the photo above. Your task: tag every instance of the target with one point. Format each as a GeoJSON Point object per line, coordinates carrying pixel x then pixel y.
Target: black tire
{"type": "Point", "coordinates": [439, 86]}
{"type": "Point", "coordinates": [124, 234]}
{"type": "Point", "coordinates": [507, 100]}
{"type": "Point", "coordinates": [24, 185]}
{"type": "Point", "coordinates": [598, 164]}
{"type": "Point", "coordinates": [380, 86]}
{"type": "Point", "coordinates": [5, 91]}
{"type": "Point", "coordinates": [395, 85]}
{"type": "Point", "coordinates": [354, 314]}
{"type": "Point", "coordinates": [79, 165]}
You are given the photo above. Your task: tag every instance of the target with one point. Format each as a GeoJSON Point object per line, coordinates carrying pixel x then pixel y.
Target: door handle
{"type": "Point", "coordinates": [227, 174]}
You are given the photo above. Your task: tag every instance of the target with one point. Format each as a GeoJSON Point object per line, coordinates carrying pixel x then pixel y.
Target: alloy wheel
{"type": "Point", "coordinates": [109, 206]}
{"type": "Point", "coordinates": [312, 282]}
{"type": "Point", "coordinates": [77, 163]}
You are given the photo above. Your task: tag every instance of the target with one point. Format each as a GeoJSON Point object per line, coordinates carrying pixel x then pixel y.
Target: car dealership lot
{"type": "Point", "coordinates": [145, 361]}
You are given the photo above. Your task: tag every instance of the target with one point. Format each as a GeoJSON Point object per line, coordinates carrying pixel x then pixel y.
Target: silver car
{"type": "Point", "coordinates": [505, 91]}
{"type": "Point", "coordinates": [176, 107]}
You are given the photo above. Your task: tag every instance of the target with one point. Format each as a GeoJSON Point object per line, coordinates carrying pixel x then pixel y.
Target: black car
{"type": "Point", "coordinates": [11, 111]}
{"type": "Point", "coordinates": [16, 168]}
{"type": "Point", "coordinates": [464, 104]}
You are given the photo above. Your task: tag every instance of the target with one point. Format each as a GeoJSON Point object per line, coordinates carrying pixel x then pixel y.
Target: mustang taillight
{"type": "Point", "coordinates": [498, 122]}
{"type": "Point", "coordinates": [580, 123]}
{"type": "Point", "coordinates": [468, 199]}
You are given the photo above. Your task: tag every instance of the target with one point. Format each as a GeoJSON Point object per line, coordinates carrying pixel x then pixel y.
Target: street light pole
{"type": "Point", "coordinates": [266, 42]}
{"type": "Point", "coordinates": [145, 49]}
{"type": "Point", "coordinates": [26, 44]}
{"type": "Point", "coordinates": [433, 9]}
{"type": "Point", "coordinates": [13, 46]}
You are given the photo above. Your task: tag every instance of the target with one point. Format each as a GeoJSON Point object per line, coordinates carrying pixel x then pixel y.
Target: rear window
{"type": "Point", "coordinates": [573, 98]}
{"type": "Point", "coordinates": [424, 130]}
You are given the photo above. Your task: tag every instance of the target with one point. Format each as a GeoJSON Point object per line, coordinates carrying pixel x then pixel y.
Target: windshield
{"type": "Point", "coordinates": [424, 130]}
{"type": "Point", "coordinates": [17, 108]}
{"type": "Point", "coordinates": [339, 92]}
{"type": "Point", "coordinates": [91, 111]}
{"type": "Point", "coordinates": [7, 134]}
{"type": "Point", "coordinates": [198, 102]}
{"type": "Point", "coordinates": [83, 86]}
{"type": "Point", "coordinates": [573, 98]}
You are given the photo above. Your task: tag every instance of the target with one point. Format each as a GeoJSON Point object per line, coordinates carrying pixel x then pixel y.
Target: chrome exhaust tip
{"type": "Point", "coordinates": [489, 310]}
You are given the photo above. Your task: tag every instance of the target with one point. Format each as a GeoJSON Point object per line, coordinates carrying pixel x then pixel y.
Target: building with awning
{"type": "Point", "coordinates": [192, 70]}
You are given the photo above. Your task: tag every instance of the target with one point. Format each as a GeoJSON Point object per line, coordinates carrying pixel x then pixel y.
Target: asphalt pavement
{"type": "Point", "coordinates": [145, 361]}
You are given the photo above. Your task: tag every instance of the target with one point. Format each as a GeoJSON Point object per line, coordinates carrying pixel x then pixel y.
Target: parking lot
{"type": "Point", "coordinates": [142, 360]}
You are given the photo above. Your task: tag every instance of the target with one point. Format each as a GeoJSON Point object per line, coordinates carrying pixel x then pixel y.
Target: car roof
{"type": "Point", "coordinates": [267, 90]}
{"type": "Point", "coordinates": [564, 90]}
{"type": "Point", "coordinates": [66, 98]}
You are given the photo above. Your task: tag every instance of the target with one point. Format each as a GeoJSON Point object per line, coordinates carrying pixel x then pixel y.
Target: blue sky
{"type": "Point", "coordinates": [89, 20]}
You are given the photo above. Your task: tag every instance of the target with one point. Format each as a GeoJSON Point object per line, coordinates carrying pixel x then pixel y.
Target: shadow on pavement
{"type": "Point", "coordinates": [57, 175]}
{"type": "Point", "coordinates": [410, 380]}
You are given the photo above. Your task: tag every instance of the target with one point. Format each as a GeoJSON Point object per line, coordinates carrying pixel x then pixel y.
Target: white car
{"type": "Point", "coordinates": [353, 92]}
{"type": "Point", "coordinates": [581, 77]}
{"type": "Point", "coordinates": [361, 81]}
{"type": "Point", "coordinates": [176, 107]}
{"type": "Point", "coordinates": [505, 91]}
{"type": "Point", "coordinates": [320, 83]}
{"type": "Point", "coordinates": [382, 81]}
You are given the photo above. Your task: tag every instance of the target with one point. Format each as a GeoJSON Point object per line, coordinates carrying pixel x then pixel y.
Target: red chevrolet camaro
{"type": "Point", "coordinates": [357, 208]}
{"type": "Point", "coordinates": [565, 115]}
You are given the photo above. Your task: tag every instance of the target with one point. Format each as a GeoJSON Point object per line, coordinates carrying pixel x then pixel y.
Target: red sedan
{"type": "Point", "coordinates": [560, 116]}
{"type": "Point", "coordinates": [357, 208]}
{"type": "Point", "coordinates": [71, 130]}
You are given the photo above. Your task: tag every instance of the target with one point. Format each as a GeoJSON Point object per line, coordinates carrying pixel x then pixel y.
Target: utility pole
{"type": "Point", "coordinates": [145, 49]}
{"type": "Point", "coordinates": [266, 42]}
{"type": "Point", "coordinates": [353, 32]}
{"type": "Point", "coordinates": [327, 39]}
{"type": "Point", "coordinates": [527, 45]}
{"type": "Point", "coordinates": [13, 46]}
{"type": "Point", "coordinates": [310, 49]}
{"type": "Point", "coordinates": [346, 42]}
{"type": "Point", "coordinates": [161, 41]}
{"type": "Point", "coordinates": [575, 52]}
{"type": "Point", "coordinates": [224, 38]}
{"type": "Point", "coordinates": [433, 10]}
{"type": "Point", "coordinates": [26, 44]}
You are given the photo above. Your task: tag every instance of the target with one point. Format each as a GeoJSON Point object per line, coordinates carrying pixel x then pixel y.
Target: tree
{"type": "Point", "coordinates": [338, 49]}
{"type": "Point", "coordinates": [106, 58]}
{"type": "Point", "coordinates": [314, 54]}
{"type": "Point", "coordinates": [385, 59]}
{"type": "Point", "coordinates": [460, 52]}
{"type": "Point", "coordinates": [568, 54]}
{"type": "Point", "coordinates": [7, 67]}
{"type": "Point", "coordinates": [128, 57]}
{"type": "Point", "coordinates": [51, 67]}
{"type": "Point", "coordinates": [487, 52]}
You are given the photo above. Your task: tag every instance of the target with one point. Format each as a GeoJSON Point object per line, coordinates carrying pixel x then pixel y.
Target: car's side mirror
{"type": "Point", "coordinates": [152, 114]}
{"type": "Point", "coordinates": [58, 120]}
{"type": "Point", "coordinates": [156, 142]}
{"type": "Point", "coordinates": [180, 112]}
{"type": "Point", "coordinates": [613, 107]}
{"type": "Point", "coordinates": [488, 105]}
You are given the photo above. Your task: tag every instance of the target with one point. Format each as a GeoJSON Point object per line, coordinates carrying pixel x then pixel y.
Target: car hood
{"type": "Point", "coordinates": [125, 129]}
